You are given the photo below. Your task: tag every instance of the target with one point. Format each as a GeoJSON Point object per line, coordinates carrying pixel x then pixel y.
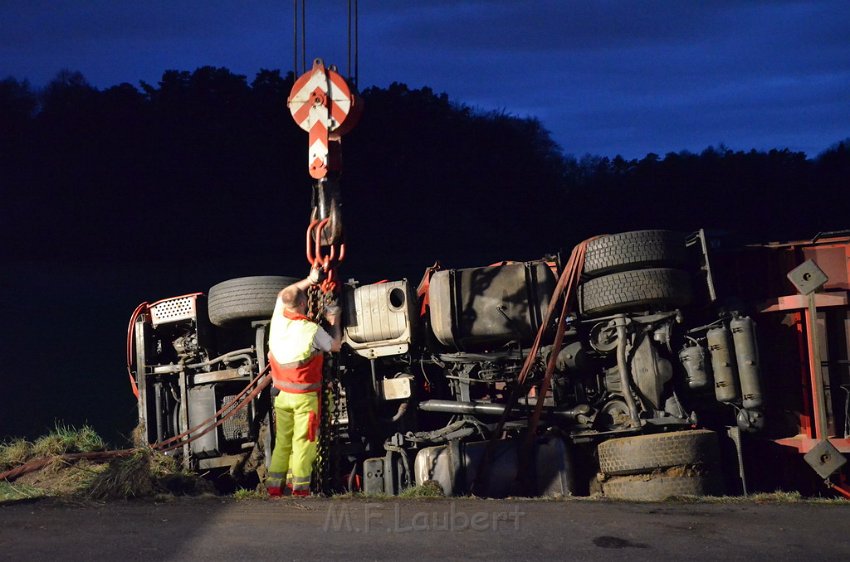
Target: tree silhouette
{"type": "Point", "coordinates": [156, 169]}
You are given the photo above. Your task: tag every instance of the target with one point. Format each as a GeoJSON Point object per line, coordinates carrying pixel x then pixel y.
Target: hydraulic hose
{"type": "Point", "coordinates": [131, 334]}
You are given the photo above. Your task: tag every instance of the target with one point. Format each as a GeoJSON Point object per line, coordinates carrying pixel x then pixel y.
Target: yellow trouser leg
{"type": "Point", "coordinates": [297, 437]}
{"type": "Point", "coordinates": [305, 438]}
{"type": "Point", "coordinates": [282, 446]}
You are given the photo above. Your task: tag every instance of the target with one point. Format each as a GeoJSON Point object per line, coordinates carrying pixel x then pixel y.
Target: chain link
{"type": "Point", "coordinates": [333, 434]}
{"type": "Point", "coordinates": [328, 451]}
{"type": "Point", "coordinates": [321, 472]}
{"type": "Point", "coordinates": [314, 303]}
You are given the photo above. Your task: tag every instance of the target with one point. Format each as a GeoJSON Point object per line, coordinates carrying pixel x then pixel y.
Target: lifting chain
{"type": "Point", "coordinates": [326, 477]}
{"type": "Point", "coordinates": [314, 303]}
{"type": "Point", "coordinates": [327, 107]}
{"type": "Point", "coordinates": [321, 472]}
{"type": "Point", "coordinates": [325, 251]}
{"type": "Point", "coordinates": [327, 454]}
{"type": "Point", "coordinates": [334, 433]}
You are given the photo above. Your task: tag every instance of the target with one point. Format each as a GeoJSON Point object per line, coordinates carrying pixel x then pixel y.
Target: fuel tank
{"type": "Point", "coordinates": [454, 467]}
{"type": "Point", "coordinates": [474, 308]}
{"type": "Point", "coordinates": [380, 319]}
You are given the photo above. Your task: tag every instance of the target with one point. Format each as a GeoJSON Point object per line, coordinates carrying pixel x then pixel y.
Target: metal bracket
{"type": "Point", "coordinates": [734, 434]}
{"type": "Point", "coordinates": [825, 459]}
{"type": "Point", "coordinates": [807, 277]}
{"type": "Point", "coordinates": [699, 237]}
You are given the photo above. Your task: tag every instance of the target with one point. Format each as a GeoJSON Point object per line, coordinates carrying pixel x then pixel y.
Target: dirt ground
{"type": "Point", "coordinates": [213, 528]}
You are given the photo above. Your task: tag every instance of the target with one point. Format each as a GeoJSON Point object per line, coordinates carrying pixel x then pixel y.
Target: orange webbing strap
{"type": "Point", "coordinates": [566, 285]}
{"type": "Point", "coordinates": [841, 487]}
{"type": "Point", "coordinates": [573, 270]}
{"type": "Point", "coordinates": [424, 285]}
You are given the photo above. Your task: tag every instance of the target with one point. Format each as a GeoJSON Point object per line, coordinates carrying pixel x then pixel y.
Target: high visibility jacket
{"type": "Point", "coordinates": [295, 364]}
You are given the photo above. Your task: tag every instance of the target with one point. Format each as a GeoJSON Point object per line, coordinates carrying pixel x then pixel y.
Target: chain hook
{"type": "Point", "coordinates": [327, 262]}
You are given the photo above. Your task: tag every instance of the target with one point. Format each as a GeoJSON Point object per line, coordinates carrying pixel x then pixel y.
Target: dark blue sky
{"type": "Point", "coordinates": [605, 77]}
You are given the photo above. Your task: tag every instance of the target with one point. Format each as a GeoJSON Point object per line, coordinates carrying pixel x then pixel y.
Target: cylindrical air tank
{"type": "Point", "coordinates": [746, 355]}
{"type": "Point", "coordinates": [694, 360]}
{"type": "Point", "coordinates": [723, 364]}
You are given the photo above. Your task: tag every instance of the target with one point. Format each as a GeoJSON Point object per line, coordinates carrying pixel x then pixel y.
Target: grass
{"type": "Point", "coordinates": [68, 439]}
{"type": "Point", "coordinates": [246, 495]}
{"type": "Point", "coordinates": [429, 489]}
{"type": "Point", "coordinates": [10, 492]}
{"type": "Point", "coordinates": [767, 497]}
{"type": "Point", "coordinates": [14, 453]}
{"type": "Point", "coordinates": [778, 497]}
{"type": "Point", "coordinates": [59, 477]}
{"type": "Point", "coordinates": [129, 477]}
{"type": "Point", "coordinates": [144, 473]}
{"type": "Point", "coordinates": [61, 439]}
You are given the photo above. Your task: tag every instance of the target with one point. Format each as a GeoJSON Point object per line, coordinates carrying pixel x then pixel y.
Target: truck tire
{"type": "Point", "coordinates": [637, 249]}
{"type": "Point", "coordinates": [245, 298]}
{"type": "Point", "coordinates": [648, 487]}
{"type": "Point", "coordinates": [629, 290]}
{"type": "Point", "coordinates": [645, 453]}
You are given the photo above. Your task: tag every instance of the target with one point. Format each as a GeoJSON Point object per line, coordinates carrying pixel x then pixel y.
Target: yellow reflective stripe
{"type": "Point", "coordinates": [294, 364]}
{"type": "Point", "coordinates": [274, 480]}
{"type": "Point", "coordinates": [301, 485]}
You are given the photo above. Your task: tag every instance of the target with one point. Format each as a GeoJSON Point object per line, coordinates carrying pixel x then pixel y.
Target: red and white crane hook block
{"type": "Point", "coordinates": [323, 104]}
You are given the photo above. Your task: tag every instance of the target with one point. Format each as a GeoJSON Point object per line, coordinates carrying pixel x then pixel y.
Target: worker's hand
{"type": "Point", "coordinates": [331, 313]}
{"type": "Point", "coordinates": [315, 276]}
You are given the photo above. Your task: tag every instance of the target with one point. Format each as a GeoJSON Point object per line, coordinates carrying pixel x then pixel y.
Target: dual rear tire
{"type": "Point", "coordinates": [633, 271]}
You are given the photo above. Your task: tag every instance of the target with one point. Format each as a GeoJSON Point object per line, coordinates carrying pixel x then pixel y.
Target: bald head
{"type": "Point", "coordinates": [293, 298]}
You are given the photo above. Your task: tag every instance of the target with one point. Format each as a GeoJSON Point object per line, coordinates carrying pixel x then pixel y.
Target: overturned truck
{"type": "Point", "coordinates": [649, 364]}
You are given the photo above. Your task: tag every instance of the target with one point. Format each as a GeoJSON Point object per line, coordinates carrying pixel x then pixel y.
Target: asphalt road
{"type": "Point", "coordinates": [315, 529]}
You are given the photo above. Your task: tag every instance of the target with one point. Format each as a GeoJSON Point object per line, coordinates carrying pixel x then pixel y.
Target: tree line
{"type": "Point", "coordinates": [208, 164]}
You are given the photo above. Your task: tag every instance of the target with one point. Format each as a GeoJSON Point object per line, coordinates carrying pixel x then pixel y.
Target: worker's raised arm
{"type": "Point", "coordinates": [332, 317]}
{"type": "Point", "coordinates": [289, 295]}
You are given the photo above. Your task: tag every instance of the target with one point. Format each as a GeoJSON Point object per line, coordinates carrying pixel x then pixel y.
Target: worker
{"type": "Point", "coordinates": [296, 354]}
